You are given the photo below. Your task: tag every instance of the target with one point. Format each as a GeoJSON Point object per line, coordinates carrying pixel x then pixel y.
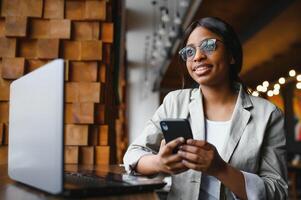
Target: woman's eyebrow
{"type": "Point", "coordinates": [190, 45]}
{"type": "Point", "coordinates": [199, 43]}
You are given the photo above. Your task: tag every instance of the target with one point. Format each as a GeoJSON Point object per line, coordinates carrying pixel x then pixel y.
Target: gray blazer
{"type": "Point", "coordinates": [256, 143]}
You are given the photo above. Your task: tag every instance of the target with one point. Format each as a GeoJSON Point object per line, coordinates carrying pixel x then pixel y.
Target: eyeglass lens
{"type": "Point", "coordinates": [206, 46]}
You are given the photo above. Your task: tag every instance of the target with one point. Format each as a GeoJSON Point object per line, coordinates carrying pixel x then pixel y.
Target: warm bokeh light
{"type": "Point", "coordinates": [277, 86]}
{"type": "Point", "coordinates": [265, 84]}
{"type": "Point", "coordinates": [298, 85]}
{"type": "Point", "coordinates": [292, 73]}
{"type": "Point", "coordinates": [275, 92]}
{"type": "Point", "coordinates": [259, 88]}
{"type": "Point", "coordinates": [281, 80]}
{"type": "Point", "coordinates": [264, 89]}
{"type": "Point", "coordinates": [255, 93]}
{"type": "Point", "coordinates": [299, 77]}
{"type": "Point", "coordinates": [270, 93]}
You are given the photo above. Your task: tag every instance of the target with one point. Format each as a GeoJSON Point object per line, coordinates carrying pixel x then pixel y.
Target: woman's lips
{"type": "Point", "coordinates": [202, 69]}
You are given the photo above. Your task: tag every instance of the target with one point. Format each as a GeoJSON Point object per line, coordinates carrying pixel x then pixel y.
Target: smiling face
{"type": "Point", "coordinates": [210, 69]}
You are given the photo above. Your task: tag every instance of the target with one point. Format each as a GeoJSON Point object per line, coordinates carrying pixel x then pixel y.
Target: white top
{"type": "Point", "coordinates": [217, 133]}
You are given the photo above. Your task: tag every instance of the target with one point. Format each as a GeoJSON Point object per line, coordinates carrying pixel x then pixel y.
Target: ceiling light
{"type": "Point", "coordinates": [165, 17]}
{"type": "Point", "coordinates": [153, 62]}
{"type": "Point", "coordinates": [292, 73]}
{"type": "Point", "coordinates": [265, 84]}
{"type": "Point", "coordinates": [299, 77]}
{"type": "Point", "coordinates": [161, 30]}
{"type": "Point", "coordinates": [298, 85]}
{"type": "Point", "coordinates": [168, 43]}
{"type": "Point", "coordinates": [159, 43]}
{"type": "Point", "coordinates": [281, 80]}
{"type": "Point", "coordinates": [177, 19]}
{"type": "Point", "coordinates": [264, 89]}
{"type": "Point", "coordinates": [172, 33]}
{"type": "Point", "coordinates": [155, 54]}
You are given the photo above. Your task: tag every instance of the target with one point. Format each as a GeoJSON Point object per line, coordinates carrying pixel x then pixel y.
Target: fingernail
{"type": "Point", "coordinates": [181, 139]}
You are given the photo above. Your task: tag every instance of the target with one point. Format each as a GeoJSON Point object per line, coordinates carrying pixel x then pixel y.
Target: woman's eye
{"type": "Point", "coordinates": [190, 52]}
{"type": "Point", "coordinates": [209, 45]}
{"type": "Point", "coordinates": [209, 48]}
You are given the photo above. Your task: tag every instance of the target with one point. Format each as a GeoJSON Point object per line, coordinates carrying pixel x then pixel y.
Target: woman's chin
{"type": "Point", "coordinates": [202, 80]}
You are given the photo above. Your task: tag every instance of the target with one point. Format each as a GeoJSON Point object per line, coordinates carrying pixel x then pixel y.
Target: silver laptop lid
{"type": "Point", "coordinates": [35, 155]}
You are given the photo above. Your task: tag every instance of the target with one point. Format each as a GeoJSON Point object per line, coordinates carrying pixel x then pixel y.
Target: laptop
{"type": "Point", "coordinates": [36, 141]}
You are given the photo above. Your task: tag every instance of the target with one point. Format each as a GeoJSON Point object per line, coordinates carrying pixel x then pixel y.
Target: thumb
{"type": "Point", "coordinates": [163, 143]}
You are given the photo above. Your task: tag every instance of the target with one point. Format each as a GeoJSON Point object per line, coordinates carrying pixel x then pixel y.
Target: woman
{"type": "Point", "coordinates": [244, 156]}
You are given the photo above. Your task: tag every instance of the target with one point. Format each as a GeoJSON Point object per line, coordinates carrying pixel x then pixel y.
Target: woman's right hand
{"type": "Point", "coordinates": [167, 161]}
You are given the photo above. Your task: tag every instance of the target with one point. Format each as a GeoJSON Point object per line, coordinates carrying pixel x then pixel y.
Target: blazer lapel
{"type": "Point", "coordinates": [239, 122]}
{"type": "Point", "coordinates": [196, 112]}
{"type": "Point", "coordinates": [197, 124]}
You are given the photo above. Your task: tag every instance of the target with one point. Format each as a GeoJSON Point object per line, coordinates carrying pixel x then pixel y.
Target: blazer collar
{"type": "Point", "coordinates": [245, 99]}
{"type": "Point", "coordinates": [240, 119]}
{"type": "Point", "coordinates": [196, 112]}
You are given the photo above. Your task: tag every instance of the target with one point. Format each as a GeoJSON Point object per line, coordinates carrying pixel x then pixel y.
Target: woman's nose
{"type": "Point", "coordinates": [199, 55]}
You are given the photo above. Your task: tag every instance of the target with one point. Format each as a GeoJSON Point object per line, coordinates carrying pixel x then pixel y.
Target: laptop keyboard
{"type": "Point", "coordinates": [88, 180]}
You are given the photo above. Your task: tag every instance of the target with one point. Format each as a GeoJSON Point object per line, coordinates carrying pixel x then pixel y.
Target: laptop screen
{"type": "Point", "coordinates": [36, 128]}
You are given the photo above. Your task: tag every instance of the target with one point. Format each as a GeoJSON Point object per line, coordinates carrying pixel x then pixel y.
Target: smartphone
{"type": "Point", "coordinates": [174, 128]}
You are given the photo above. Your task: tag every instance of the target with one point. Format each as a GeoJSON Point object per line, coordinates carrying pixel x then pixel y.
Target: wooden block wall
{"type": "Point", "coordinates": [3, 155]}
{"type": "Point", "coordinates": [34, 32]}
{"type": "Point", "coordinates": [5, 134]}
{"type": "Point", "coordinates": [1, 133]}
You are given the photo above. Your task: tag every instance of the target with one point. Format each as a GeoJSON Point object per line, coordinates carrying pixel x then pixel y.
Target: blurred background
{"type": "Point", "coordinates": [121, 60]}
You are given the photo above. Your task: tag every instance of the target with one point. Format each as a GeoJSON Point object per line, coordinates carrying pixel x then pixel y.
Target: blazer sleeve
{"type": "Point", "coordinates": [150, 139]}
{"type": "Point", "coordinates": [273, 167]}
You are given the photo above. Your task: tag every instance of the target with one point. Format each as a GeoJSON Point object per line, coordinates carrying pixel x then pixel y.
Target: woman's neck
{"type": "Point", "coordinates": [221, 94]}
{"type": "Point", "coordinates": [218, 102]}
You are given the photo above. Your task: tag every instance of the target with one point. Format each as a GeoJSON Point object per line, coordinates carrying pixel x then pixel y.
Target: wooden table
{"type": "Point", "coordinates": [11, 190]}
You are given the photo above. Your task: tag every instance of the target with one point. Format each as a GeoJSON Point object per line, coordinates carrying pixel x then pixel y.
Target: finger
{"type": "Point", "coordinates": [174, 143]}
{"type": "Point", "coordinates": [177, 167]}
{"type": "Point", "coordinates": [190, 165]}
{"type": "Point", "coordinates": [190, 148]}
{"type": "Point", "coordinates": [192, 157]}
{"type": "Point", "coordinates": [172, 159]}
{"type": "Point", "coordinates": [163, 143]}
{"type": "Point", "coordinates": [195, 150]}
{"type": "Point", "coordinates": [200, 143]}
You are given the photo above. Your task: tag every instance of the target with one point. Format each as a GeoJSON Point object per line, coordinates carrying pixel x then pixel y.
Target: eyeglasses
{"type": "Point", "coordinates": [207, 46]}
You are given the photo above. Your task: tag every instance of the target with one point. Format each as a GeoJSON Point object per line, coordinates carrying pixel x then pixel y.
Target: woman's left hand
{"type": "Point", "coordinates": [202, 156]}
